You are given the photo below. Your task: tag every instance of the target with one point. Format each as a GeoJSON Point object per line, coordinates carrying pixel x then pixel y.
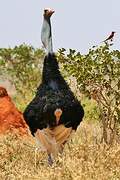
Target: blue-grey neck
{"type": "Point", "coordinates": [46, 35]}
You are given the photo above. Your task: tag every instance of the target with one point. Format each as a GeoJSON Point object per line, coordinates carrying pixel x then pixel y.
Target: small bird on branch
{"type": "Point", "coordinates": [110, 37]}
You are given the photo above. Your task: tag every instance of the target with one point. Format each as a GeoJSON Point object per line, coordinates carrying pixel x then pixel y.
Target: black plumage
{"type": "Point", "coordinates": [53, 93]}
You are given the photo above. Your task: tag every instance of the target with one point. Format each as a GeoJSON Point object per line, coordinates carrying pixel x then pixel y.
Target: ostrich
{"type": "Point", "coordinates": [54, 113]}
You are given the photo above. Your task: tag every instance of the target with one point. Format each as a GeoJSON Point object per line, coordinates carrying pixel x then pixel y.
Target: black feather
{"type": "Point", "coordinates": [53, 93]}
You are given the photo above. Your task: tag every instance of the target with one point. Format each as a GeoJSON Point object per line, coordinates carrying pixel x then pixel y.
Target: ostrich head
{"type": "Point", "coordinates": [48, 12]}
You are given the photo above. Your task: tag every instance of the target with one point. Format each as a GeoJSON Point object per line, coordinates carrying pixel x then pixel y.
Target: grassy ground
{"type": "Point", "coordinates": [84, 158]}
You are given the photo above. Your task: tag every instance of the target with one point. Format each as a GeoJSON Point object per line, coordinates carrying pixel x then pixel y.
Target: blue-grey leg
{"type": "Point", "coordinates": [50, 160]}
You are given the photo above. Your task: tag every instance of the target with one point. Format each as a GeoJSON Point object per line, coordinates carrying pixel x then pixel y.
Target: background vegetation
{"type": "Point", "coordinates": [94, 152]}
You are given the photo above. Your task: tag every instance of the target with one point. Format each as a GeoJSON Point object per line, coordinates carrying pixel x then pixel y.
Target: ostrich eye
{"type": "Point", "coordinates": [46, 10]}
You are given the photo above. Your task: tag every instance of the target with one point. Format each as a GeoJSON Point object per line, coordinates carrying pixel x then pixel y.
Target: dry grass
{"type": "Point", "coordinates": [84, 158]}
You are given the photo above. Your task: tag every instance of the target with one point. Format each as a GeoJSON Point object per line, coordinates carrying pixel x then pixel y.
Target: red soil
{"type": "Point", "coordinates": [10, 118]}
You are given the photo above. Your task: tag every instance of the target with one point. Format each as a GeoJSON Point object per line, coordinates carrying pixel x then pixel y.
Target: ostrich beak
{"type": "Point", "coordinates": [51, 11]}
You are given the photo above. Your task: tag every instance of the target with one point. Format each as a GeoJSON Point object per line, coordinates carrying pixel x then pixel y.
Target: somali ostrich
{"type": "Point", "coordinates": [54, 112]}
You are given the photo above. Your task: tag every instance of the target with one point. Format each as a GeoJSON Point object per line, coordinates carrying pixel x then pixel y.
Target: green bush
{"type": "Point", "coordinates": [97, 75]}
{"type": "Point", "coordinates": [22, 66]}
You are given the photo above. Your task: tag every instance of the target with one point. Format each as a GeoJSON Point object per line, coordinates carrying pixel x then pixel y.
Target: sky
{"type": "Point", "coordinates": [76, 24]}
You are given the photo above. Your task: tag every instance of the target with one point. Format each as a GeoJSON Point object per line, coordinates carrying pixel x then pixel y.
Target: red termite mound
{"type": "Point", "coordinates": [10, 118]}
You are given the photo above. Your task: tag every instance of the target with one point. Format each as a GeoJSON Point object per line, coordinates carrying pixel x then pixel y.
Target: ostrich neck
{"type": "Point", "coordinates": [46, 35]}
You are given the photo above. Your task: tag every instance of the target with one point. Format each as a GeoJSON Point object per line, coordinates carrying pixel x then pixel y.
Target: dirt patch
{"type": "Point", "coordinates": [10, 118]}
